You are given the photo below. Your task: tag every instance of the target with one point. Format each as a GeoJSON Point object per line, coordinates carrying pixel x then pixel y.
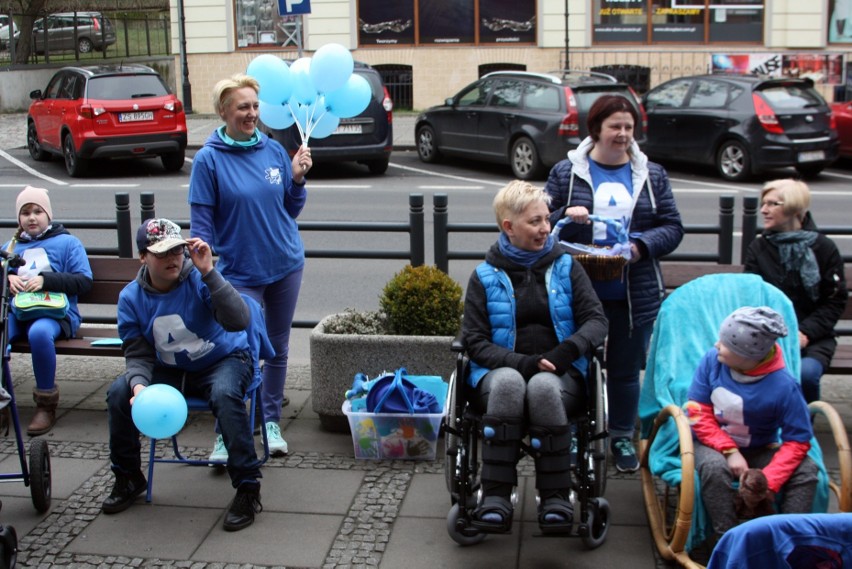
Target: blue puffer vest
{"type": "Point", "coordinates": [501, 308]}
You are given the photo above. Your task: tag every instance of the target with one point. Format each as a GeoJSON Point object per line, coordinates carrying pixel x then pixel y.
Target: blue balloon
{"type": "Point", "coordinates": [273, 75]}
{"type": "Point", "coordinates": [303, 87]}
{"type": "Point", "coordinates": [324, 126]}
{"type": "Point", "coordinates": [331, 66]}
{"type": "Point", "coordinates": [159, 411]}
{"type": "Point", "coordinates": [351, 99]}
{"type": "Point", "coordinates": [276, 116]}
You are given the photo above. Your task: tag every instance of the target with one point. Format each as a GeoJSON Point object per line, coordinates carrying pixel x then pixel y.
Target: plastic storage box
{"type": "Point", "coordinates": [401, 436]}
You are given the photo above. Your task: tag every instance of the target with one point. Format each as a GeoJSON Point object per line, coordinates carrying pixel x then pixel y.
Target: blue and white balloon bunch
{"type": "Point", "coordinates": [314, 93]}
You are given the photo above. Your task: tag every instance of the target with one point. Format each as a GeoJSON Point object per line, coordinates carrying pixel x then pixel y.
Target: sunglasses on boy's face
{"type": "Point", "coordinates": [173, 252]}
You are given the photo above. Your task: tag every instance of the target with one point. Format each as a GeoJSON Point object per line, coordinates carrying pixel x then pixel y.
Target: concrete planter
{"type": "Point", "coordinates": [336, 358]}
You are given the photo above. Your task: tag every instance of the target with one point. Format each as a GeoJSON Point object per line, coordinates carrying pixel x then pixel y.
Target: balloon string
{"type": "Point", "coordinates": [298, 126]}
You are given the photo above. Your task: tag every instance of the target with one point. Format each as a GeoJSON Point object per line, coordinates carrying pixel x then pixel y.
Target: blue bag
{"type": "Point", "coordinates": [395, 394]}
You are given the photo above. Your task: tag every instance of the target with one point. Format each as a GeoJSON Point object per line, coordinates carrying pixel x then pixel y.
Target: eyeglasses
{"type": "Point", "coordinates": [173, 252]}
{"type": "Point", "coordinates": [771, 203]}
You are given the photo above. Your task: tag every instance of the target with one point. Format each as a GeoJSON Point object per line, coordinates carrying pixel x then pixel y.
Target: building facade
{"type": "Point", "coordinates": [429, 49]}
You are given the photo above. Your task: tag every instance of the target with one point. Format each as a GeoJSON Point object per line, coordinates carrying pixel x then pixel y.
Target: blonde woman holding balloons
{"type": "Point", "coordinates": [245, 194]}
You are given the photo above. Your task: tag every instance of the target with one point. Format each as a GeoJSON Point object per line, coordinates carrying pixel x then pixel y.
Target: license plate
{"type": "Point", "coordinates": [348, 129]}
{"type": "Point", "coordinates": [134, 117]}
{"type": "Point", "coordinates": [811, 156]}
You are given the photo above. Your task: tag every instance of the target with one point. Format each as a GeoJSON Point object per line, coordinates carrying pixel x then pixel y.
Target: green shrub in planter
{"type": "Point", "coordinates": [422, 301]}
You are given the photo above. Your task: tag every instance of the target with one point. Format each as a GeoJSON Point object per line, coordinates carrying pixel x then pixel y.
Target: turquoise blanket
{"type": "Point", "coordinates": [686, 327]}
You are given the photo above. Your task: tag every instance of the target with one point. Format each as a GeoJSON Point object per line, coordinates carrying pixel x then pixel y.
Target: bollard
{"type": "Point", "coordinates": [417, 239]}
{"type": "Point", "coordinates": [726, 230]}
{"type": "Point", "coordinates": [750, 208]}
{"type": "Point", "coordinates": [146, 206]}
{"type": "Point", "coordinates": [123, 228]}
{"type": "Point", "coordinates": [441, 239]}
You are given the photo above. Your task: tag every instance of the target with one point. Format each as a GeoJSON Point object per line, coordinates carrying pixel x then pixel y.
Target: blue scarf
{"type": "Point", "coordinates": [255, 138]}
{"type": "Point", "coordinates": [794, 250]}
{"type": "Point", "coordinates": [521, 256]}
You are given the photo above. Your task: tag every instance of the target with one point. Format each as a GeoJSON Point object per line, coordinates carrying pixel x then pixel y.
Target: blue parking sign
{"type": "Point", "coordinates": [293, 7]}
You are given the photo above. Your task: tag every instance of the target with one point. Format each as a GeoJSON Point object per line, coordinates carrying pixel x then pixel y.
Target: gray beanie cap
{"type": "Point", "coordinates": [751, 331]}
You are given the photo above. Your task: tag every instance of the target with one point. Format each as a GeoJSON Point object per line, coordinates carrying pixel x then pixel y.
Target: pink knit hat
{"type": "Point", "coordinates": [34, 195]}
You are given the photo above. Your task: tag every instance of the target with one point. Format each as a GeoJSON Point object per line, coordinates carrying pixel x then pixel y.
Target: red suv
{"type": "Point", "coordinates": [106, 111]}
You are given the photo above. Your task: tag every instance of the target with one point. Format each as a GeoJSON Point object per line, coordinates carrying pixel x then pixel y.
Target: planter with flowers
{"type": "Point", "coordinates": [419, 316]}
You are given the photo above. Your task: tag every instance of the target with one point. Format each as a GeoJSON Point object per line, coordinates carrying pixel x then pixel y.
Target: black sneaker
{"type": "Point", "coordinates": [625, 454]}
{"type": "Point", "coordinates": [124, 492]}
{"type": "Point", "coordinates": [246, 504]}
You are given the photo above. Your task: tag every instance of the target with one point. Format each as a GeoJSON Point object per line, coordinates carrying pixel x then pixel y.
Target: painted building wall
{"type": "Point", "coordinates": [439, 72]}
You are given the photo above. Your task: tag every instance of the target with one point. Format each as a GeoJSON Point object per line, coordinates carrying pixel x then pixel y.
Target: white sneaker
{"type": "Point", "coordinates": [277, 445]}
{"type": "Point", "coordinates": [220, 453]}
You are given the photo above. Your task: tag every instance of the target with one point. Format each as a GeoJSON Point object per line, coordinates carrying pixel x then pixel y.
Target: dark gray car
{"type": "Point", "coordinates": [741, 124]}
{"type": "Point", "coordinates": [83, 31]}
{"type": "Point", "coordinates": [526, 120]}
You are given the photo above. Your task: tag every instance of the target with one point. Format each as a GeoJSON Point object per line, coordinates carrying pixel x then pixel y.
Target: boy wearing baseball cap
{"type": "Point", "coordinates": [183, 324]}
{"type": "Point", "coordinates": [748, 412]}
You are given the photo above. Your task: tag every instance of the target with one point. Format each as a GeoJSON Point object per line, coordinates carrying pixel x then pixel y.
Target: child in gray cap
{"type": "Point", "coordinates": [748, 412]}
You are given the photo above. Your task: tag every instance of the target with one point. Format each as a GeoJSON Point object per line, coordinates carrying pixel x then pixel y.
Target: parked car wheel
{"type": "Point", "coordinates": [733, 161]}
{"type": "Point", "coordinates": [173, 161]}
{"type": "Point", "coordinates": [85, 45]}
{"type": "Point", "coordinates": [74, 165]}
{"type": "Point", "coordinates": [810, 171]}
{"type": "Point", "coordinates": [526, 164]}
{"type": "Point", "coordinates": [426, 147]}
{"type": "Point", "coordinates": [378, 166]}
{"type": "Point", "coordinates": [34, 146]}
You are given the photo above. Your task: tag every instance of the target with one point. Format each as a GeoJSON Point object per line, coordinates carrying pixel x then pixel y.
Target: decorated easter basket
{"type": "Point", "coordinates": [601, 263]}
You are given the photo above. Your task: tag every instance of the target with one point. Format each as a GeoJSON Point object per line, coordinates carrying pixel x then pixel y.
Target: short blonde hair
{"type": "Point", "coordinates": [515, 197]}
{"type": "Point", "coordinates": [794, 193]}
{"type": "Point", "coordinates": [223, 89]}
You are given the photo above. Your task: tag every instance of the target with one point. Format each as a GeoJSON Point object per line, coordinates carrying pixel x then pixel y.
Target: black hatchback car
{"type": "Point", "coordinates": [526, 120]}
{"type": "Point", "coordinates": [741, 124]}
{"type": "Point", "coordinates": [366, 138]}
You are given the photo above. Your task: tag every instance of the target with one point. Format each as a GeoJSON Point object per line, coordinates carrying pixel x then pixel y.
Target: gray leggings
{"type": "Point", "coordinates": [718, 494]}
{"type": "Point", "coordinates": [550, 399]}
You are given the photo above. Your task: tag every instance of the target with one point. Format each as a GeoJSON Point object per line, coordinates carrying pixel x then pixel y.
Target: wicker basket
{"type": "Point", "coordinates": [602, 267]}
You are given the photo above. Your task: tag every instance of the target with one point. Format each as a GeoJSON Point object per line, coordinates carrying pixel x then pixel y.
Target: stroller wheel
{"type": "Point", "coordinates": [40, 477]}
{"type": "Point", "coordinates": [465, 535]}
{"type": "Point", "coordinates": [598, 523]}
{"type": "Point", "coordinates": [8, 547]}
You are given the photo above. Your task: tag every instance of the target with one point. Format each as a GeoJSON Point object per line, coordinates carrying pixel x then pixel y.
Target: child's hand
{"type": "Point", "coordinates": [136, 389]}
{"type": "Point", "coordinates": [18, 284]}
{"type": "Point", "coordinates": [201, 255]}
{"type": "Point", "coordinates": [737, 464]}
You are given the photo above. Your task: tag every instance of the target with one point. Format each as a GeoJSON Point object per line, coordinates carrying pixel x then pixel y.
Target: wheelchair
{"type": "Point", "coordinates": [679, 524]}
{"type": "Point", "coordinates": [463, 428]}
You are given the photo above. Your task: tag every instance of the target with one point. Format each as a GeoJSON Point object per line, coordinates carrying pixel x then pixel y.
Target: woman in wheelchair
{"type": "Point", "coordinates": [530, 317]}
{"type": "Point", "coordinates": [748, 413]}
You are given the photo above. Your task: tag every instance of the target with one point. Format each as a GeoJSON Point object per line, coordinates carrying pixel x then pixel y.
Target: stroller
{"type": "Point", "coordinates": [36, 475]}
{"type": "Point", "coordinates": [461, 435]}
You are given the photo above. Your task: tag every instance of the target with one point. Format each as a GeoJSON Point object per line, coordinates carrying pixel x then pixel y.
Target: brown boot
{"type": "Point", "coordinates": [45, 414]}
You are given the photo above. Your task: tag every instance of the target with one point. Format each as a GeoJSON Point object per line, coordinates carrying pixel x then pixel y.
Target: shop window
{"type": "Point", "coordinates": [259, 25]}
{"type": "Point", "coordinates": [677, 21]}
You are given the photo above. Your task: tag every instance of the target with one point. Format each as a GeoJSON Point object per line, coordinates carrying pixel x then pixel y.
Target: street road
{"type": "Point", "coordinates": [346, 192]}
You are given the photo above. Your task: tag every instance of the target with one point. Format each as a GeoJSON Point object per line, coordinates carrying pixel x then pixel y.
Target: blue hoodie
{"type": "Point", "coordinates": [254, 204]}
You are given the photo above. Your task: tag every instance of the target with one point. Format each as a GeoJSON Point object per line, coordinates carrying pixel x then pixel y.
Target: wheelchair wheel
{"type": "Point", "coordinates": [598, 523]}
{"type": "Point", "coordinates": [465, 535]}
{"type": "Point", "coordinates": [600, 447]}
{"type": "Point", "coordinates": [8, 547]}
{"type": "Point", "coordinates": [40, 477]}
{"type": "Point", "coordinates": [451, 442]}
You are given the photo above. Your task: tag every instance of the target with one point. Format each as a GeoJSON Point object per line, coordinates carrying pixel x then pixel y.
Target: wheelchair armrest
{"type": "Point", "coordinates": [458, 345]}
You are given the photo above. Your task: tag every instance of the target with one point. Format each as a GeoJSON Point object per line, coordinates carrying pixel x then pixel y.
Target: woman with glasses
{"type": "Point", "coordinates": [806, 265]}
